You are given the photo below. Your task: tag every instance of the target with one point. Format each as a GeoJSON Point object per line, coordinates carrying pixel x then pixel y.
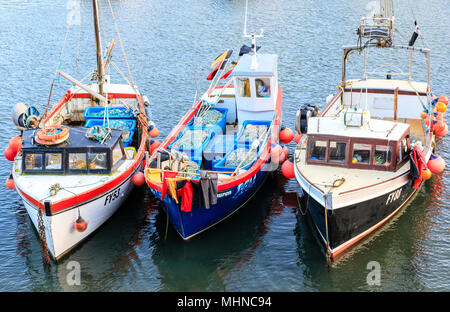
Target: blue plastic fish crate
{"type": "Point", "coordinates": [220, 165]}
{"type": "Point", "coordinates": [115, 112]}
{"type": "Point", "coordinates": [222, 123]}
{"type": "Point", "coordinates": [195, 153]}
{"type": "Point", "coordinates": [120, 124]}
{"type": "Point", "coordinates": [251, 122]}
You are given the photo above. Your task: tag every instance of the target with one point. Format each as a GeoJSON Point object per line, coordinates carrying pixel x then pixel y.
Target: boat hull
{"type": "Point", "coordinates": [199, 219]}
{"type": "Point", "coordinates": [349, 224]}
{"type": "Point", "coordinates": [61, 236]}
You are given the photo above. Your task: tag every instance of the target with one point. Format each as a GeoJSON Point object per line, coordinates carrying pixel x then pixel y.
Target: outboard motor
{"type": "Point", "coordinates": [303, 113]}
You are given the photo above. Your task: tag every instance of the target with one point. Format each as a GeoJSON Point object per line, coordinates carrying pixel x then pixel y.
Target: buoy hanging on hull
{"type": "Point", "coordinates": [436, 164]}
{"type": "Point", "coordinates": [10, 182]}
{"type": "Point", "coordinates": [138, 178]}
{"type": "Point", "coordinates": [286, 135]}
{"type": "Point", "coordinates": [288, 169]}
{"type": "Point", "coordinates": [80, 224]}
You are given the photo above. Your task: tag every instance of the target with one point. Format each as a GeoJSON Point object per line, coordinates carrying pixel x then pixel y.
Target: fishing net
{"type": "Point", "coordinates": [238, 155]}
{"type": "Point", "coordinates": [211, 117]}
{"type": "Point", "coordinates": [97, 133]}
{"type": "Point", "coordinates": [191, 139]}
{"type": "Point", "coordinates": [252, 132]}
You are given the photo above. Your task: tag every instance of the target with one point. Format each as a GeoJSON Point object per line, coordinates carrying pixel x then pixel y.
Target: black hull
{"type": "Point", "coordinates": [348, 225]}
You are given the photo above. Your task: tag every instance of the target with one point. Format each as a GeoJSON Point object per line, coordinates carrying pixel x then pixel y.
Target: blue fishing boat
{"type": "Point", "coordinates": [219, 154]}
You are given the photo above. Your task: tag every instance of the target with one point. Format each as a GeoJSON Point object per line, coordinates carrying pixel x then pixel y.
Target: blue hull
{"type": "Point", "coordinates": [189, 224]}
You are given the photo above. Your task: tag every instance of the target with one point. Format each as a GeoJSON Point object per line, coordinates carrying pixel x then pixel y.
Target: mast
{"type": "Point", "coordinates": [100, 68]}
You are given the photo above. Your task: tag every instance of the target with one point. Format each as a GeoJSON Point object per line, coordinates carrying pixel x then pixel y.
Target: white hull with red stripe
{"type": "Point", "coordinates": [61, 235]}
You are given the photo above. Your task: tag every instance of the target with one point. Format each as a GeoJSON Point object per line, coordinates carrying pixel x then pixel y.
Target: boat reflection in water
{"type": "Point", "coordinates": [207, 263]}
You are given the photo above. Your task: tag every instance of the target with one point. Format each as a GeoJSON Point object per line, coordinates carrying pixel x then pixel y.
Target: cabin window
{"type": "Point", "coordinates": [117, 154]}
{"type": "Point", "coordinates": [243, 87]}
{"type": "Point", "coordinates": [98, 161]}
{"type": "Point", "coordinates": [318, 149]}
{"type": "Point", "coordinates": [262, 87]}
{"type": "Point", "coordinates": [383, 155]}
{"type": "Point", "coordinates": [53, 161]}
{"type": "Point", "coordinates": [361, 153]}
{"type": "Point", "coordinates": [33, 161]}
{"type": "Point", "coordinates": [337, 151]}
{"type": "Point", "coordinates": [400, 152]}
{"type": "Point", "coordinates": [77, 161]}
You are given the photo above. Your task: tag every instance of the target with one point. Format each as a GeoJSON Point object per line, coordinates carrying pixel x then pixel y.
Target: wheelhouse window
{"type": "Point", "coordinates": [243, 87]}
{"type": "Point", "coordinates": [318, 150]}
{"type": "Point", "coordinates": [98, 161]}
{"type": "Point", "coordinates": [33, 161]}
{"type": "Point", "coordinates": [53, 161]}
{"type": "Point", "coordinates": [77, 161]}
{"type": "Point", "coordinates": [383, 155]}
{"type": "Point", "coordinates": [337, 151]}
{"type": "Point", "coordinates": [262, 87]}
{"type": "Point", "coordinates": [361, 153]}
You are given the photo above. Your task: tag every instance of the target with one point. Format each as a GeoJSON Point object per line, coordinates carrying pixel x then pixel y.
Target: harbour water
{"type": "Point", "coordinates": [266, 246]}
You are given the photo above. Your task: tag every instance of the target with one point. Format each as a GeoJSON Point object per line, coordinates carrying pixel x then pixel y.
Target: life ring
{"type": "Point", "coordinates": [53, 134]}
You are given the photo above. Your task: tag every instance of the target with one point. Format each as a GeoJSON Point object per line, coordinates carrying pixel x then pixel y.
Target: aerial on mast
{"type": "Point", "coordinates": [253, 36]}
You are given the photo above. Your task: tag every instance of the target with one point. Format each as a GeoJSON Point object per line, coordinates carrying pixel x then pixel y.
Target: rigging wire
{"type": "Point", "coordinates": [56, 73]}
{"type": "Point", "coordinates": [121, 43]}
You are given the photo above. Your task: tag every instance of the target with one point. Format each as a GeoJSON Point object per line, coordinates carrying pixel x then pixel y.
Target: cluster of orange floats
{"type": "Point", "coordinates": [14, 147]}
{"type": "Point", "coordinates": [281, 153]}
{"type": "Point", "coordinates": [435, 120]}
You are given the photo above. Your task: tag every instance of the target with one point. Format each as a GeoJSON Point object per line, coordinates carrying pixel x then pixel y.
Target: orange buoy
{"type": "Point", "coordinates": [426, 174]}
{"type": "Point", "coordinates": [138, 178]}
{"type": "Point", "coordinates": [436, 164]}
{"type": "Point", "coordinates": [15, 143]}
{"type": "Point", "coordinates": [441, 107]}
{"type": "Point", "coordinates": [154, 132]}
{"type": "Point", "coordinates": [286, 135]}
{"type": "Point", "coordinates": [423, 115]}
{"type": "Point", "coordinates": [297, 137]}
{"type": "Point", "coordinates": [154, 146]}
{"type": "Point", "coordinates": [288, 169]}
{"type": "Point", "coordinates": [275, 153]}
{"type": "Point", "coordinates": [439, 125]}
{"type": "Point", "coordinates": [442, 131]}
{"type": "Point", "coordinates": [443, 99]}
{"type": "Point", "coordinates": [9, 154]}
{"type": "Point", "coordinates": [80, 225]}
{"type": "Point", "coordinates": [10, 182]}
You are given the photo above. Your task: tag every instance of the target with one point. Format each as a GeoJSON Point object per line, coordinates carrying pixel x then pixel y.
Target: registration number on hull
{"type": "Point", "coordinates": [393, 196]}
{"type": "Point", "coordinates": [112, 196]}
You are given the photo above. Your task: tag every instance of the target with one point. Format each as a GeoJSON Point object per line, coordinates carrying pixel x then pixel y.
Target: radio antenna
{"type": "Point", "coordinates": [253, 36]}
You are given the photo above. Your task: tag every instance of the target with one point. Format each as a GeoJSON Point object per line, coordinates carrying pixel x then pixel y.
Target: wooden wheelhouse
{"type": "Point", "coordinates": [377, 145]}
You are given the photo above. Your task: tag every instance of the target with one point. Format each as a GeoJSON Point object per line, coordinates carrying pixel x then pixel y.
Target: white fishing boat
{"type": "Point", "coordinates": [366, 153]}
{"type": "Point", "coordinates": [74, 165]}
